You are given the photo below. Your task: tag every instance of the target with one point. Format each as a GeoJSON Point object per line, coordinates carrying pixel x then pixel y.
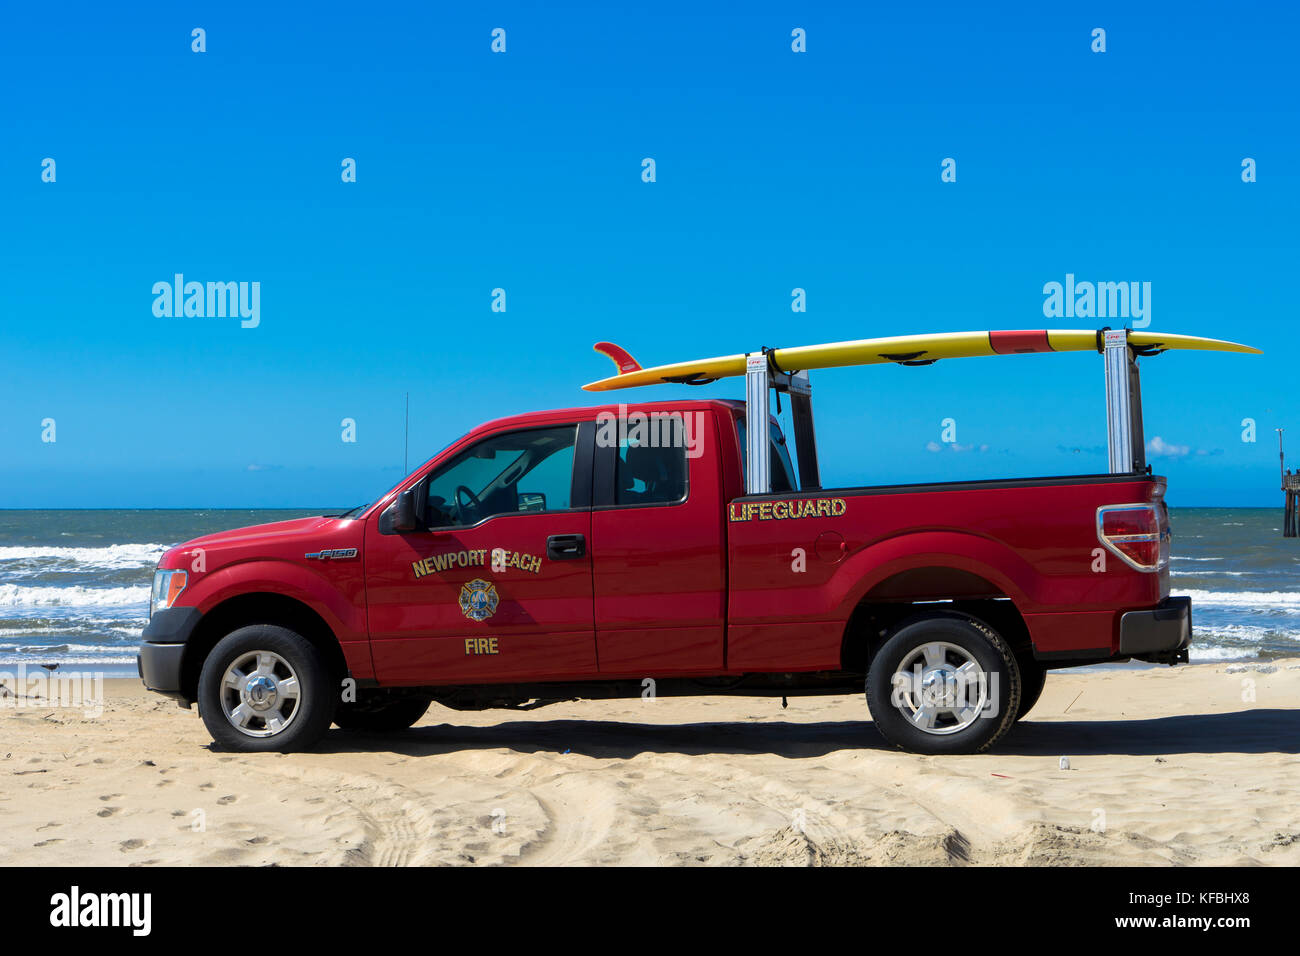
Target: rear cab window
{"type": "Point", "coordinates": [784, 476]}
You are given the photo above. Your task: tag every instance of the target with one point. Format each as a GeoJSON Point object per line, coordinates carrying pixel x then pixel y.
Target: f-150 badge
{"type": "Point", "coordinates": [332, 554]}
{"type": "Point", "coordinates": [478, 600]}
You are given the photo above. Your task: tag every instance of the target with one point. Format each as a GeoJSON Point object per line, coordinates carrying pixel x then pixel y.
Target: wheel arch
{"type": "Point", "coordinates": [258, 607]}
{"type": "Point", "coordinates": [898, 601]}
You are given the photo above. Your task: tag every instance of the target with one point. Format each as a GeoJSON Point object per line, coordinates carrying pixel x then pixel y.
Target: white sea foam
{"type": "Point", "coordinates": [65, 648]}
{"type": "Point", "coordinates": [17, 596]}
{"type": "Point", "coordinates": [1290, 600]}
{"type": "Point", "coordinates": [1179, 557]}
{"type": "Point", "coordinates": [1200, 653]}
{"type": "Point", "coordinates": [1253, 633]}
{"type": "Point", "coordinates": [10, 660]}
{"type": "Point", "coordinates": [114, 557]}
{"type": "Point", "coordinates": [12, 632]}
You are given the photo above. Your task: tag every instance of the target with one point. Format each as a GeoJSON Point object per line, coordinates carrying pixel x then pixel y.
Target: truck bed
{"type": "Point", "coordinates": [1031, 541]}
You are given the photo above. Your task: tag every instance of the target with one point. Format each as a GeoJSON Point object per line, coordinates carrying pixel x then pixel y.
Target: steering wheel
{"type": "Point", "coordinates": [463, 509]}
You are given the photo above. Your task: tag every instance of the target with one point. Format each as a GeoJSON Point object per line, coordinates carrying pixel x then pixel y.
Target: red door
{"type": "Point", "coordinates": [497, 585]}
{"type": "Point", "coordinates": [658, 549]}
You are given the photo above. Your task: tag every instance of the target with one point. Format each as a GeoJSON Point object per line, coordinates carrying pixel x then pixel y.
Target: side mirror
{"type": "Point", "coordinates": [400, 515]}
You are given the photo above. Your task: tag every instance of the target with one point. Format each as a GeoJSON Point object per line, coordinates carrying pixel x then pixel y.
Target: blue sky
{"type": "Point", "coordinates": [522, 171]}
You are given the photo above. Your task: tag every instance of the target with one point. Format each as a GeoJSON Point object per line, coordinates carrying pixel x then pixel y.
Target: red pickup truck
{"type": "Point", "coordinates": [658, 548]}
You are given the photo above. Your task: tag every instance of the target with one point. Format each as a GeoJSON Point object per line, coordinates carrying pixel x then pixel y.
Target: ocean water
{"type": "Point", "coordinates": [74, 585]}
{"type": "Point", "coordinates": [1243, 578]}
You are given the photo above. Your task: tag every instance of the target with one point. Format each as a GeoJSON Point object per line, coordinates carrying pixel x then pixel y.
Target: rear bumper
{"type": "Point", "coordinates": [163, 649]}
{"type": "Point", "coordinates": [1161, 635]}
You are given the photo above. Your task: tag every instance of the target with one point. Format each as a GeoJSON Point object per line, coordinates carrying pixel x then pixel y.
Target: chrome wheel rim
{"type": "Point", "coordinates": [940, 688]}
{"type": "Point", "coordinates": [260, 694]}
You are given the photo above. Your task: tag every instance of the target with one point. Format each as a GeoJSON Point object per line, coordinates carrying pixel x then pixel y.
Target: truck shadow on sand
{"type": "Point", "coordinates": [1241, 732]}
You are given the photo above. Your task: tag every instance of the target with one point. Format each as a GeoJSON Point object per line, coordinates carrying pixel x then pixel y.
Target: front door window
{"type": "Point", "coordinates": [525, 471]}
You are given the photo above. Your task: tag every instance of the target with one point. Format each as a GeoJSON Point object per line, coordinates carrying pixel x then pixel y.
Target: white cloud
{"type": "Point", "coordinates": [953, 447]}
{"type": "Point", "coordinates": [1160, 448]}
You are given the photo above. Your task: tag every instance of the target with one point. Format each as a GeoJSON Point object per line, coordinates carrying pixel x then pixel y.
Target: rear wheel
{"type": "Point", "coordinates": [1033, 677]}
{"type": "Point", "coordinates": [943, 684]}
{"type": "Point", "coordinates": [265, 688]}
{"type": "Point", "coordinates": [381, 718]}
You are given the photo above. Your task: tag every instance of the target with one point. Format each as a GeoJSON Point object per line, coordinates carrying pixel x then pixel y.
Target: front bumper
{"type": "Point", "coordinates": [160, 667]}
{"type": "Point", "coordinates": [1161, 635]}
{"type": "Point", "coordinates": [162, 649]}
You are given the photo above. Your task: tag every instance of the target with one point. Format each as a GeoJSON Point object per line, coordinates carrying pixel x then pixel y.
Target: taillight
{"type": "Point", "coordinates": [1136, 533]}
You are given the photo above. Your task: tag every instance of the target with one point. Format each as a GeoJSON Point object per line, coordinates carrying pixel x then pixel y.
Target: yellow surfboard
{"type": "Point", "coordinates": [901, 349]}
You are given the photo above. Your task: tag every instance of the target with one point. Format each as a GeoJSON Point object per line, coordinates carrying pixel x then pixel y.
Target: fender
{"type": "Point", "coordinates": [345, 616]}
{"type": "Point", "coordinates": [867, 567]}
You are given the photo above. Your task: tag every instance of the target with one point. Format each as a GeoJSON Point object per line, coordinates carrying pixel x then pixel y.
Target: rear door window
{"type": "Point", "coordinates": [649, 475]}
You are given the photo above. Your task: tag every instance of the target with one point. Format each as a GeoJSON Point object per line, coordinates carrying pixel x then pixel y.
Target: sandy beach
{"type": "Point", "coordinates": [1188, 765]}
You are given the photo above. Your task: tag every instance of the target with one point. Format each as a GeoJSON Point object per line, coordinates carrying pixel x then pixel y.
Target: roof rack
{"type": "Point", "coordinates": [1126, 444]}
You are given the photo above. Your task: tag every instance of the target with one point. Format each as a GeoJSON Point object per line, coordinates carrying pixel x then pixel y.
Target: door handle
{"type": "Point", "coordinates": [565, 547]}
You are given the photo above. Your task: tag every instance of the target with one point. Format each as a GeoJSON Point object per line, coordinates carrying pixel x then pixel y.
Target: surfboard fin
{"type": "Point", "coordinates": [619, 356]}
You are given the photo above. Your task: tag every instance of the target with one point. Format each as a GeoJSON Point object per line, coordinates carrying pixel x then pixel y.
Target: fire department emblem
{"type": "Point", "coordinates": [478, 599]}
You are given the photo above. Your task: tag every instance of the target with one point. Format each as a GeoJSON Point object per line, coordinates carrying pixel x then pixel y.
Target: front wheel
{"type": "Point", "coordinates": [943, 684]}
{"type": "Point", "coordinates": [265, 688]}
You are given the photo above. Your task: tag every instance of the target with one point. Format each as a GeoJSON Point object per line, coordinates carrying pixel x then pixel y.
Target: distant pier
{"type": "Point", "coordinates": [1290, 512]}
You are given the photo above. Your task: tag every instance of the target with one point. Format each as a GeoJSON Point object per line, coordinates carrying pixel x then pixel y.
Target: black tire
{"type": "Point", "coordinates": [1033, 677]}
{"type": "Point", "coordinates": [305, 715]}
{"type": "Point", "coordinates": [381, 718]}
{"type": "Point", "coordinates": [959, 637]}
